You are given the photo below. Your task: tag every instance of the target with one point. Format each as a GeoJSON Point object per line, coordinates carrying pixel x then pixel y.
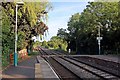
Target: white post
{"type": "Point", "coordinates": [16, 31]}
{"type": "Point", "coordinates": [99, 46]}
{"type": "Point", "coordinates": [99, 39]}
{"type": "Point", "coordinates": [16, 37]}
{"type": "Point", "coordinates": [69, 51]}
{"type": "Point", "coordinates": [15, 54]}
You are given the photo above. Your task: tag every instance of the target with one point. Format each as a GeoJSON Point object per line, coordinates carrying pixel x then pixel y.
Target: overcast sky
{"type": "Point", "coordinates": [60, 15]}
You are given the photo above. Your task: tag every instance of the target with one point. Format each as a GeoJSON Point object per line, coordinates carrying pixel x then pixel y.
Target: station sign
{"type": "Point", "coordinates": [99, 38]}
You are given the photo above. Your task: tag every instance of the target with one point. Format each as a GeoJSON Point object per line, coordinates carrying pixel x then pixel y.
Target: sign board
{"type": "Point", "coordinates": [99, 38]}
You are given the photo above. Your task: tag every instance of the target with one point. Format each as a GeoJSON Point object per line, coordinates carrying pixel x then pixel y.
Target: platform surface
{"type": "Point", "coordinates": [46, 69]}
{"type": "Point", "coordinates": [25, 69]}
{"type": "Point", "coordinates": [113, 58]}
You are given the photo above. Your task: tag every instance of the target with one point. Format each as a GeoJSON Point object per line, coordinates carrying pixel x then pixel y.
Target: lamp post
{"type": "Point", "coordinates": [16, 37]}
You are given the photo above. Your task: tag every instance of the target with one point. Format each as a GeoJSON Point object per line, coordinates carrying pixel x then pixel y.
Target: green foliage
{"type": "Point", "coordinates": [83, 29]}
{"type": "Point", "coordinates": [34, 53]}
{"type": "Point", "coordinates": [105, 14]}
{"type": "Point", "coordinates": [28, 16]}
{"type": "Point", "coordinates": [54, 43]}
{"type": "Point", "coordinates": [73, 28]}
{"type": "Point", "coordinates": [57, 43]}
{"type": "Point", "coordinates": [7, 43]}
{"type": "Point", "coordinates": [27, 25]}
{"type": "Point", "coordinates": [37, 43]}
{"type": "Point", "coordinates": [62, 33]}
{"type": "Point", "coordinates": [44, 43]}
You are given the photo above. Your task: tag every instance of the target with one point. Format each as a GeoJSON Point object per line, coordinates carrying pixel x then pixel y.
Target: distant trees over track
{"type": "Point", "coordinates": [83, 29]}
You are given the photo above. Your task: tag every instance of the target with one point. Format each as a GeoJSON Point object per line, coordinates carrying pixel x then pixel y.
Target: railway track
{"type": "Point", "coordinates": [106, 66]}
{"type": "Point", "coordinates": [94, 70]}
{"type": "Point", "coordinates": [62, 72]}
{"type": "Point", "coordinates": [77, 68]}
{"type": "Point", "coordinates": [81, 73]}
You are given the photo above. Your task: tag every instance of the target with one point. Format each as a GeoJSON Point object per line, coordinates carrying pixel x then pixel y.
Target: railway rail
{"type": "Point", "coordinates": [62, 72]}
{"type": "Point", "coordinates": [94, 70]}
{"type": "Point", "coordinates": [77, 68]}
{"type": "Point", "coordinates": [107, 66]}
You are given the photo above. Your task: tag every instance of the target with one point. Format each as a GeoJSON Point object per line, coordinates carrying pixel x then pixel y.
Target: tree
{"type": "Point", "coordinates": [44, 43]}
{"type": "Point", "coordinates": [28, 16]}
{"type": "Point", "coordinates": [83, 28]}
{"type": "Point", "coordinates": [62, 33]}
{"type": "Point", "coordinates": [73, 28]}
{"type": "Point", "coordinates": [56, 43]}
{"type": "Point", "coordinates": [7, 39]}
{"type": "Point", "coordinates": [107, 15]}
{"type": "Point", "coordinates": [30, 23]}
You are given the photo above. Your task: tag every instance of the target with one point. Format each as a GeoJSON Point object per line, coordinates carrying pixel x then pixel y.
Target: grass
{"type": "Point", "coordinates": [34, 53]}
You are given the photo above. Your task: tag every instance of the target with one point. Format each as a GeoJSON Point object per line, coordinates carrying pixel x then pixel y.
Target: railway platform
{"type": "Point", "coordinates": [24, 70]}
{"type": "Point", "coordinates": [30, 69]}
{"type": "Point", "coordinates": [112, 58]}
{"type": "Point", "coordinates": [44, 70]}
{"type": "Point", "coordinates": [107, 57]}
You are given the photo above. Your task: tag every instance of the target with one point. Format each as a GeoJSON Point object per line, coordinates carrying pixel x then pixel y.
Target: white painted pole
{"type": "Point", "coordinates": [99, 40]}
{"type": "Point", "coordinates": [15, 54]}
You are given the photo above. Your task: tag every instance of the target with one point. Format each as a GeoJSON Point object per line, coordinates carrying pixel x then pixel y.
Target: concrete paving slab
{"type": "Point", "coordinates": [25, 69]}
{"type": "Point", "coordinates": [46, 69]}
